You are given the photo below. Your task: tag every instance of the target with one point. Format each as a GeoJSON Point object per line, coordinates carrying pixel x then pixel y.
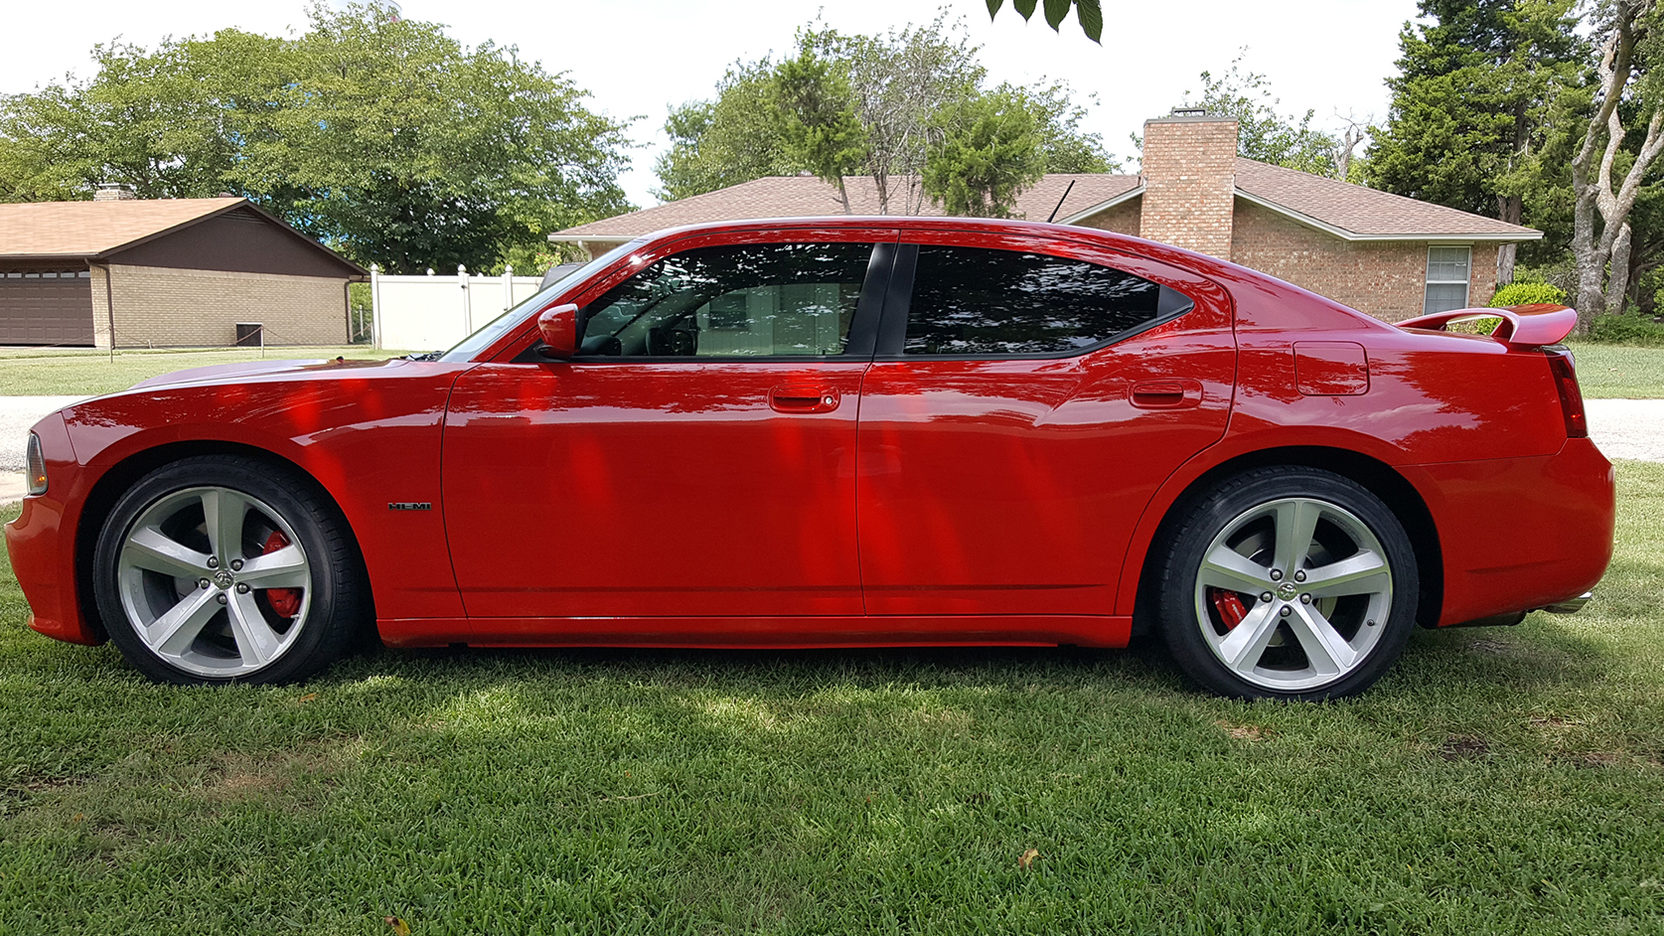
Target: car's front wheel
{"type": "Point", "coordinates": [1288, 583]}
{"type": "Point", "coordinates": [222, 568]}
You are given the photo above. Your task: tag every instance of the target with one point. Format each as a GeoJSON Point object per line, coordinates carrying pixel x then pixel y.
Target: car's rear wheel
{"type": "Point", "coordinates": [1288, 583]}
{"type": "Point", "coordinates": [222, 568]}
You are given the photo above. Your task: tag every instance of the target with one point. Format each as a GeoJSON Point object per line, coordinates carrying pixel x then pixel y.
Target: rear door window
{"type": "Point", "coordinates": [978, 302]}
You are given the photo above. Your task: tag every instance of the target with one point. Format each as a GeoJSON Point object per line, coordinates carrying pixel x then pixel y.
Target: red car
{"type": "Point", "coordinates": [842, 432]}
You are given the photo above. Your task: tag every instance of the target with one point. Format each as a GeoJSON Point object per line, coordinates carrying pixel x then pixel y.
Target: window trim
{"type": "Point", "coordinates": [898, 302]}
{"type": "Point", "coordinates": [1428, 280]}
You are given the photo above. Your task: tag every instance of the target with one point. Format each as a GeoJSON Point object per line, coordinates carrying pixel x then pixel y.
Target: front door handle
{"type": "Point", "coordinates": [1166, 393]}
{"type": "Point", "coordinates": [790, 399]}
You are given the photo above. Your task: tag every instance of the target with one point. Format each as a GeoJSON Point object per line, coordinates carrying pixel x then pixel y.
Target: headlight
{"type": "Point", "coordinates": [37, 466]}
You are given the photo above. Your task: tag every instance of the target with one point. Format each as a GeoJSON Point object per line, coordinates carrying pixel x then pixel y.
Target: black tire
{"type": "Point", "coordinates": [330, 611]}
{"type": "Point", "coordinates": [1195, 620]}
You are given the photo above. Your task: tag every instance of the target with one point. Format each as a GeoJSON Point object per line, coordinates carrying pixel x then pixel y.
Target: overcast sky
{"type": "Point", "coordinates": [639, 57]}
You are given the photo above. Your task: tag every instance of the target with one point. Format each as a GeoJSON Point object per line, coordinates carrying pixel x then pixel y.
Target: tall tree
{"type": "Point", "coordinates": [735, 137]}
{"type": "Point", "coordinates": [897, 81]}
{"type": "Point", "coordinates": [821, 127]}
{"type": "Point", "coordinates": [1263, 133]}
{"type": "Point", "coordinates": [1471, 103]}
{"type": "Point", "coordinates": [384, 138]}
{"type": "Point", "coordinates": [883, 106]}
{"type": "Point", "coordinates": [989, 150]}
{"type": "Point", "coordinates": [1606, 178]}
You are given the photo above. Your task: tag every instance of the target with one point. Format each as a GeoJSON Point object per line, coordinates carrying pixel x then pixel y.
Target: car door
{"type": "Point", "coordinates": [1027, 398]}
{"type": "Point", "coordinates": [697, 456]}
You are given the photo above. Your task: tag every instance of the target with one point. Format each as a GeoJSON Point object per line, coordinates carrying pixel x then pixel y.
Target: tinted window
{"type": "Point", "coordinates": [751, 300]}
{"type": "Point", "coordinates": [967, 300]}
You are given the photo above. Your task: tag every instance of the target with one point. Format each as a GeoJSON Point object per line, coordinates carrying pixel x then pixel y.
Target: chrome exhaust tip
{"type": "Point", "coordinates": [1568, 606]}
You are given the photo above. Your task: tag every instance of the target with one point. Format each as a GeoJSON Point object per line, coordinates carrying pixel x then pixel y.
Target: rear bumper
{"type": "Point", "coordinates": [1521, 534]}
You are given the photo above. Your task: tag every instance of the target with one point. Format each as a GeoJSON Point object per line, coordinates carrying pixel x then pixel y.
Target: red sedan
{"type": "Point", "coordinates": [842, 432]}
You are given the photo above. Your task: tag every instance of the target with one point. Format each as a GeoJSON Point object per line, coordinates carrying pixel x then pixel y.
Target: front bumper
{"type": "Point", "coordinates": [41, 542]}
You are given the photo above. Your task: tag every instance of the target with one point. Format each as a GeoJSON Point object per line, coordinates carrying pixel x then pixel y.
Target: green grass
{"type": "Point", "coordinates": [1619, 371]}
{"type": "Point", "coordinates": [58, 371]}
{"type": "Point", "coordinates": [1497, 781]}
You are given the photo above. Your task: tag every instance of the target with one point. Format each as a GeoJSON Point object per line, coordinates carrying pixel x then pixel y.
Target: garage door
{"type": "Point", "coordinates": [46, 307]}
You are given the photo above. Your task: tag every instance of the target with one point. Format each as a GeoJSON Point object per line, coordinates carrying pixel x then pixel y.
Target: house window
{"type": "Point", "coordinates": [1448, 271]}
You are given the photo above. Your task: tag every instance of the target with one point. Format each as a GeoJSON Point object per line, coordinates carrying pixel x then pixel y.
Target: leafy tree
{"type": "Point", "coordinates": [884, 106]}
{"type": "Point", "coordinates": [1471, 106]}
{"type": "Point", "coordinates": [821, 128]}
{"type": "Point", "coordinates": [990, 150]}
{"type": "Point", "coordinates": [384, 138]}
{"type": "Point", "coordinates": [735, 137]}
{"type": "Point", "coordinates": [1262, 133]}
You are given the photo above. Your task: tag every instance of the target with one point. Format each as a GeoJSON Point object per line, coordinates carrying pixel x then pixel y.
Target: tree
{"type": "Point", "coordinates": [735, 137]}
{"type": "Point", "coordinates": [896, 83]}
{"type": "Point", "coordinates": [384, 138]}
{"type": "Point", "coordinates": [1262, 133]}
{"type": "Point", "coordinates": [821, 130]}
{"type": "Point", "coordinates": [881, 106]}
{"type": "Point", "coordinates": [1628, 89]}
{"type": "Point", "coordinates": [1471, 106]}
{"type": "Point", "coordinates": [990, 150]}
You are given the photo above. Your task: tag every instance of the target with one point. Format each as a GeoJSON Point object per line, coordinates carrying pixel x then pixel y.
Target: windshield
{"type": "Point", "coordinates": [497, 327]}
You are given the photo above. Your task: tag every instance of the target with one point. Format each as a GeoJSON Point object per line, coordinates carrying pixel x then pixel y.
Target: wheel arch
{"type": "Point", "coordinates": [101, 499]}
{"type": "Point", "coordinates": [1378, 477]}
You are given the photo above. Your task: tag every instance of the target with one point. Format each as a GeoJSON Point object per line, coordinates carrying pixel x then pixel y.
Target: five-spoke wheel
{"type": "Point", "coordinates": [216, 569]}
{"type": "Point", "coordinates": [1290, 583]}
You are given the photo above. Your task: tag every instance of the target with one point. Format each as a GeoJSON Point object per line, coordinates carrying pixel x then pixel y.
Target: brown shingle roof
{"type": "Point", "coordinates": [90, 228]}
{"type": "Point", "coordinates": [1365, 212]}
{"type": "Point", "coordinates": [809, 197]}
{"type": "Point", "coordinates": [1346, 210]}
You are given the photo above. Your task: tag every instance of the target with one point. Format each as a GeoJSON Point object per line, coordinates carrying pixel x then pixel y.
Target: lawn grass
{"type": "Point", "coordinates": [1613, 371]}
{"type": "Point", "coordinates": [79, 372]}
{"type": "Point", "coordinates": [1497, 781]}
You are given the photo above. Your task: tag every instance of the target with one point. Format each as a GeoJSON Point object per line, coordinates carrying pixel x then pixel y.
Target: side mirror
{"type": "Point", "coordinates": [558, 326]}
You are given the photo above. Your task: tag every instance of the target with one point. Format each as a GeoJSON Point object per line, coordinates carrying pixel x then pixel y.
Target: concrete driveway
{"type": "Point", "coordinates": [1622, 429]}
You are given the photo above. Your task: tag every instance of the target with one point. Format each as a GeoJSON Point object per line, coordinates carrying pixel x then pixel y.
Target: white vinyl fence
{"type": "Point", "coordinates": [431, 313]}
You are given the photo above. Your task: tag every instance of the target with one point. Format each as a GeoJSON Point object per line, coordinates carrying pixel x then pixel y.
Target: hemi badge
{"type": "Point", "coordinates": [410, 505]}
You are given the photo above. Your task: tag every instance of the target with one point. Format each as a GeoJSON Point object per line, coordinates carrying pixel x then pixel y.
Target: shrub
{"type": "Point", "coordinates": [1515, 294]}
{"type": "Point", "coordinates": [1630, 328]}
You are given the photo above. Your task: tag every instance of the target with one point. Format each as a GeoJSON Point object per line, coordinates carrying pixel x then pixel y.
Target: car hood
{"type": "Point", "coordinates": [237, 373]}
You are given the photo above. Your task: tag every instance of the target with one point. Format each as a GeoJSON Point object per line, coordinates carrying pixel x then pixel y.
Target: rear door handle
{"type": "Point", "coordinates": [788, 399]}
{"type": "Point", "coordinates": [1166, 393]}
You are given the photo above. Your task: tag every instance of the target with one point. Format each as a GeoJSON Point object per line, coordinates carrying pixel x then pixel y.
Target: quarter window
{"type": "Point", "coordinates": [979, 302]}
{"type": "Point", "coordinates": [1448, 274]}
{"type": "Point", "coordinates": [750, 300]}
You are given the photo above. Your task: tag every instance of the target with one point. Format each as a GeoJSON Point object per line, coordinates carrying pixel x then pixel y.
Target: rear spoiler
{"type": "Point", "coordinates": [1521, 326]}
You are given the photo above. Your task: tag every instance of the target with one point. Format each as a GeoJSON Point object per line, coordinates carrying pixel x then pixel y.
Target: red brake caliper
{"type": "Point", "coordinates": [286, 601]}
{"type": "Point", "coordinates": [1229, 606]}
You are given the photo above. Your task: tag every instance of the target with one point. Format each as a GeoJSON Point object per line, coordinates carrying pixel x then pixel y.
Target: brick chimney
{"type": "Point", "coordinates": [113, 191]}
{"type": "Point", "coordinates": [1189, 172]}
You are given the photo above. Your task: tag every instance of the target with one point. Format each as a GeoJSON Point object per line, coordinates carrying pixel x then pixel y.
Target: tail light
{"type": "Point", "coordinates": [1571, 398]}
{"type": "Point", "coordinates": [36, 466]}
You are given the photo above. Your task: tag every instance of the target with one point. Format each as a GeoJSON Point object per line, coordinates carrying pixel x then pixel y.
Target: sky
{"type": "Point", "coordinates": [638, 58]}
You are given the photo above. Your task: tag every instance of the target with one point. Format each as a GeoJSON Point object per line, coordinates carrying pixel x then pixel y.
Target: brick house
{"type": "Point", "coordinates": [1390, 256]}
{"type": "Point", "coordinates": [165, 273]}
